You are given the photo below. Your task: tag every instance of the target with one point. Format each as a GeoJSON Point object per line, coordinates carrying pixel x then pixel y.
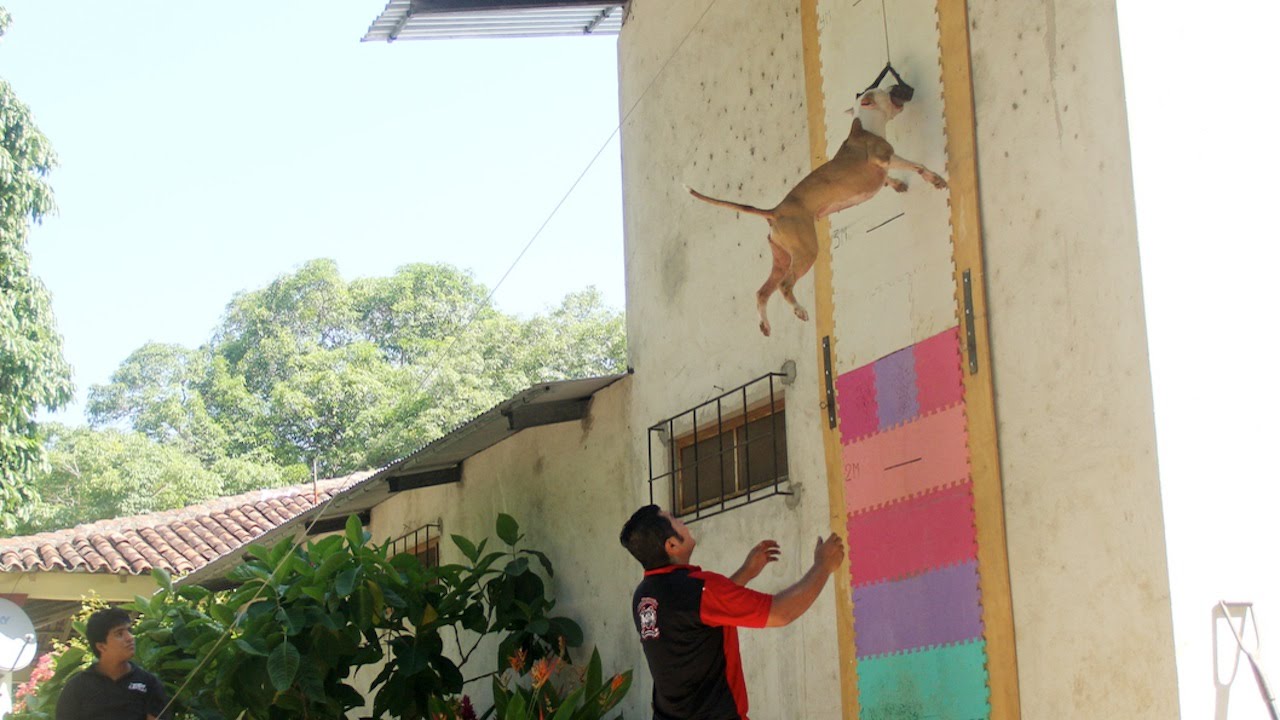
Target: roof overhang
{"type": "Point", "coordinates": [443, 19]}
{"type": "Point", "coordinates": [438, 463]}
{"type": "Point", "coordinates": [74, 586]}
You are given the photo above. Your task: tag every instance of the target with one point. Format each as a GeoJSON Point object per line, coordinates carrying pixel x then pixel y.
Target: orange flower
{"type": "Point", "coordinates": [542, 670]}
{"type": "Point", "coordinates": [615, 683]}
{"type": "Point", "coordinates": [517, 660]}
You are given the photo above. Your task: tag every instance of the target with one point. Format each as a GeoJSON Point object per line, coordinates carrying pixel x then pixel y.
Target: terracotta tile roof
{"type": "Point", "coordinates": [180, 541]}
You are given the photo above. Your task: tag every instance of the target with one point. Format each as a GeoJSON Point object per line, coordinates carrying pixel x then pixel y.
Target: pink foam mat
{"type": "Point", "coordinates": [908, 460]}
{"type": "Point", "coordinates": [939, 381]}
{"type": "Point", "coordinates": [856, 402]}
{"type": "Point", "coordinates": [910, 537]}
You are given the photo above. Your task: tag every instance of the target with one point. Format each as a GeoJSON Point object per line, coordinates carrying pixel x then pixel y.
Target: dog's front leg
{"type": "Point", "coordinates": [898, 162]}
{"type": "Point", "coordinates": [896, 184]}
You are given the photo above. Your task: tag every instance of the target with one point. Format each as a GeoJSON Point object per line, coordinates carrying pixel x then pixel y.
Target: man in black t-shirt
{"type": "Point", "coordinates": [113, 688]}
{"type": "Point", "coordinates": [687, 618]}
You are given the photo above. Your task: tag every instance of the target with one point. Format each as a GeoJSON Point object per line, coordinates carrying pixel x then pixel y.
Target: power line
{"type": "Point", "coordinates": [466, 326]}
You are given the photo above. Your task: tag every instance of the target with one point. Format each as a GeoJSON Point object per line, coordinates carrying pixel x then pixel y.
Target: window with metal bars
{"type": "Point", "coordinates": [725, 453]}
{"type": "Point", "coordinates": [423, 543]}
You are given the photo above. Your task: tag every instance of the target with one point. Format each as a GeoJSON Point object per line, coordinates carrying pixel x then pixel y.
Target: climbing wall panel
{"type": "Point", "coordinates": [916, 482]}
{"type": "Point", "coordinates": [912, 536]}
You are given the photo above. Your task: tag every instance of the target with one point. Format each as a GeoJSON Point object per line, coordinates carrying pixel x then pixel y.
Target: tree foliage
{"type": "Point", "coordinates": [109, 473]}
{"type": "Point", "coordinates": [311, 374]}
{"type": "Point", "coordinates": [33, 372]}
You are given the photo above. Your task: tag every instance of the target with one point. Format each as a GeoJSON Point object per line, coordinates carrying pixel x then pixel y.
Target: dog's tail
{"type": "Point", "coordinates": [729, 204]}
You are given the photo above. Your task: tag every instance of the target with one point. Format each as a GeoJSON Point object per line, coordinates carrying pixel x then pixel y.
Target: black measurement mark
{"type": "Point", "coordinates": [892, 467]}
{"type": "Point", "coordinates": [886, 222]}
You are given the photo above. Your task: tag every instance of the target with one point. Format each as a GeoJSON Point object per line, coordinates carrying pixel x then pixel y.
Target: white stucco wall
{"type": "Point", "coordinates": [1073, 386]}
{"type": "Point", "coordinates": [726, 116]}
{"type": "Point", "coordinates": [722, 109]}
{"type": "Point", "coordinates": [565, 485]}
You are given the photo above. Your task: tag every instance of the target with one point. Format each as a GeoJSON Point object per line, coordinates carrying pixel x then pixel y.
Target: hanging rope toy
{"type": "Point", "coordinates": [901, 92]}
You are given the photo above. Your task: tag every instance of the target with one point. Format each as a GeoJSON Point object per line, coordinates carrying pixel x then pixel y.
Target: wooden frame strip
{"type": "Point", "coordinates": [984, 454]}
{"type": "Point", "coordinates": [824, 323]}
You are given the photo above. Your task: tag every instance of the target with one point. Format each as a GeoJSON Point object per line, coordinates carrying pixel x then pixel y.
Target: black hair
{"type": "Point", "coordinates": [645, 537]}
{"type": "Point", "coordinates": [100, 625]}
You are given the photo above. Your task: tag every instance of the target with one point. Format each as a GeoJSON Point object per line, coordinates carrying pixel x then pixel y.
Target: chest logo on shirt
{"type": "Point", "coordinates": [648, 612]}
{"type": "Point", "coordinates": [138, 687]}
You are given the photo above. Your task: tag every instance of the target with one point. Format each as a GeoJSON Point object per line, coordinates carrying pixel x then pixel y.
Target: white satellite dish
{"type": "Point", "coordinates": [17, 637]}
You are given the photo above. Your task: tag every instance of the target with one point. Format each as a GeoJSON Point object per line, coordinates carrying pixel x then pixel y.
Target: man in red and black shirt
{"type": "Point", "coordinates": [688, 618]}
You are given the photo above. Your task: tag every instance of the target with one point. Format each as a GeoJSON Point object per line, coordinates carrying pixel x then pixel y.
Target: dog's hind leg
{"type": "Point", "coordinates": [781, 266]}
{"type": "Point", "coordinates": [801, 263]}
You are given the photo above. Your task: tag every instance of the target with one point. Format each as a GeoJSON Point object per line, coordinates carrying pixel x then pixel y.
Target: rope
{"type": "Point", "coordinates": [884, 16]}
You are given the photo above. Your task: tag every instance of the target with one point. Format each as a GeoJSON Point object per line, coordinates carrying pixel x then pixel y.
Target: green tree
{"type": "Point", "coordinates": [156, 392]}
{"type": "Point", "coordinates": [33, 373]}
{"type": "Point", "coordinates": [320, 373]}
{"type": "Point", "coordinates": [101, 474]}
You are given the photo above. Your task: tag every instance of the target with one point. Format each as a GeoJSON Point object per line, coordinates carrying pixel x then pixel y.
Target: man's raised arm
{"type": "Point", "coordinates": [795, 600]}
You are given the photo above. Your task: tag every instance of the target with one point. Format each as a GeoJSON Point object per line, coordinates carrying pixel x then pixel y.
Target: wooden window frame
{"type": "Point", "coordinates": [717, 428]}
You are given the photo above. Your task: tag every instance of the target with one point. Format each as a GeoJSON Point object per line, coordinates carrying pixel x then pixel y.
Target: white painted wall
{"type": "Point", "coordinates": [726, 115]}
{"type": "Point", "coordinates": [722, 109]}
{"type": "Point", "coordinates": [566, 486]}
{"type": "Point", "coordinates": [1073, 387]}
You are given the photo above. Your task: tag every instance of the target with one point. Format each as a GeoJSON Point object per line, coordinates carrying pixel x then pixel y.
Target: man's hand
{"type": "Point", "coordinates": [765, 552]}
{"type": "Point", "coordinates": [829, 553]}
{"type": "Point", "coordinates": [795, 600]}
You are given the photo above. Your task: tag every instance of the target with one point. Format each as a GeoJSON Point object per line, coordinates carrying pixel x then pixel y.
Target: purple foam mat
{"type": "Point", "coordinates": [939, 607]}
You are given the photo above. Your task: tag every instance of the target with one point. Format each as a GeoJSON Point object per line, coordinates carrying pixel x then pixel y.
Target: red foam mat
{"type": "Point", "coordinates": [909, 537]}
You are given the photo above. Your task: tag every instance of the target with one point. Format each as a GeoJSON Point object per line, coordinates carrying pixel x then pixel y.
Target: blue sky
{"type": "Point", "coordinates": [205, 150]}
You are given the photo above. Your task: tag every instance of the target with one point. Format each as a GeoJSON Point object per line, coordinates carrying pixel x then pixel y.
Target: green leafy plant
{"type": "Point", "coordinates": [288, 639]}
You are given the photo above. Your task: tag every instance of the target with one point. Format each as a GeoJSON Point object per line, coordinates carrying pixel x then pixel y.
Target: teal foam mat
{"type": "Point", "coordinates": [940, 683]}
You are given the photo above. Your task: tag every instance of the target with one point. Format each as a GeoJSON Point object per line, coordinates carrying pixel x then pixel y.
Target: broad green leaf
{"type": "Point", "coordinates": [330, 565]}
{"type": "Point", "coordinates": [508, 529]}
{"type": "Point", "coordinates": [595, 672]}
{"type": "Point", "coordinates": [543, 559]}
{"type": "Point", "coordinates": [467, 547]}
{"type": "Point", "coordinates": [311, 681]}
{"type": "Point", "coordinates": [517, 567]}
{"type": "Point", "coordinates": [346, 582]}
{"type": "Point", "coordinates": [222, 613]}
{"type": "Point", "coordinates": [251, 647]}
{"type": "Point", "coordinates": [162, 578]}
{"type": "Point", "coordinates": [282, 665]}
{"type": "Point", "coordinates": [355, 531]}
{"type": "Point", "coordinates": [570, 704]}
{"type": "Point", "coordinates": [429, 615]}
{"type": "Point", "coordinates": [571, 631]}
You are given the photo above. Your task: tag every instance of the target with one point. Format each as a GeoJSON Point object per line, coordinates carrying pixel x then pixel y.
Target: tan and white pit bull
{"type": "Point", "coordinates": [857, 172]}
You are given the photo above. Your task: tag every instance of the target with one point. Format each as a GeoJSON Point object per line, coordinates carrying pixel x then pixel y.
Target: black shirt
{"type": "Point", "coordinates": [90, 695]}
{"type": "Point", "coordinates": [688, 620]}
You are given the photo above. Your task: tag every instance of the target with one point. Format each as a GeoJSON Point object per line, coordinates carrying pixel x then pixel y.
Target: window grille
{"type": "Point", "coordinates": [727, 452]}
{"type": "Point", "coordinates": [423, 543]}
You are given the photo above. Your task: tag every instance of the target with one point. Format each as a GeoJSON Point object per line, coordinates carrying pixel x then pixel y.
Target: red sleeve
{"type": "Point", "coordinates": [725, 603]}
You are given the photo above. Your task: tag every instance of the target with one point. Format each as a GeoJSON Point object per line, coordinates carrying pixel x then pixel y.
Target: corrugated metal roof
{"type": "Point", "coordinates": [472, 437]}
{"type": "Point", "coordinates": [441, 19]}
